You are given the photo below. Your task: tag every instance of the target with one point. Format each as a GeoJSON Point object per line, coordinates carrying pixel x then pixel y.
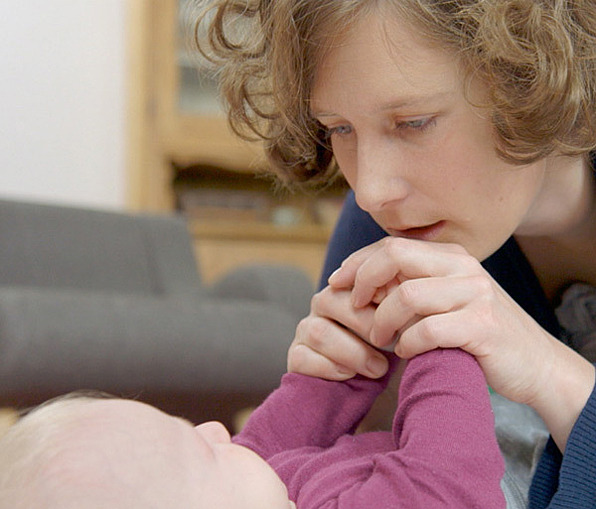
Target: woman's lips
{"type": "Point", "coordinates": [429, 232]}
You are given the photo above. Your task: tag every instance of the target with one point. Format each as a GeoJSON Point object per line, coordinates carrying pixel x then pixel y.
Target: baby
{"type": "Point", "coordinates": [299, 445]}
{"type": "Point", "coordinates": [81, 452]}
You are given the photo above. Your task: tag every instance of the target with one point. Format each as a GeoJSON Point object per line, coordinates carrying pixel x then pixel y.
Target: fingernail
{"type": "Point", "coordinates": [343, 371]}
{"type": "Point", "coordinates": [333, 276]}
{"type": "Point", "coordinates": [376, 366]}
{"type": "Point", "coordinates": [357, 300]}
{"type": "Point", "coordinates": [372, 337]}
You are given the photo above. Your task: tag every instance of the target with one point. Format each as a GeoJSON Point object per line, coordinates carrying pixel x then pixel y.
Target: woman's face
{"type": "Point", "coordinates": [419, 157]}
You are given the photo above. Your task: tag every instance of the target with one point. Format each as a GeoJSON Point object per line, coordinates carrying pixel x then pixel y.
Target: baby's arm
{"type": "Point", "coordinates": [307, 411]}
{"type": "Point", "coordinates": [443, 451]}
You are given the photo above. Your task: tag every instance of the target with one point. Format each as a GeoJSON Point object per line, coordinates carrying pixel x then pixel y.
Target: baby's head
{"type": "Point", "coordinates": [97, 453]}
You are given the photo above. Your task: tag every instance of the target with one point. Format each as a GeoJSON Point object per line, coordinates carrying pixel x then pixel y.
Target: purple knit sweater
{"type": "Point", "coordinates": [441, 453]}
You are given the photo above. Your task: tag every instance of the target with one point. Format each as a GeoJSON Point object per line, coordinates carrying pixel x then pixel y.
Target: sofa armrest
{"type": "Point", "coordinates": [68, 340]}
{"type": "Point", "coordinates": [285, 285]}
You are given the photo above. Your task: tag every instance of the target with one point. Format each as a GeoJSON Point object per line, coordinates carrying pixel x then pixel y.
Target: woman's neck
{"type": "Point", "coordinates": [565, 205]}
{"type": "Point", "coordinates": [582, 219]}
{"type": "Point", "coordinates": [562, 249]}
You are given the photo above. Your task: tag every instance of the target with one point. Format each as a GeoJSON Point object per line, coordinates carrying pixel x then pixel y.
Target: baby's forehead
{"type": "Point", "coordinates": [73, 408]}
{"type": "Point", "coordinates": [91, 421]}
{"type": "Point", "coordinates": [106, 431]}
{"type": "Point", "coordinates": [99, 447]}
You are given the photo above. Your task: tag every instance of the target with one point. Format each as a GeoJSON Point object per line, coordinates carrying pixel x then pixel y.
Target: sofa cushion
{"type": "Point", "coordinates": [58, 341]}
{"type": "Point", "coordinates": [63, 247]}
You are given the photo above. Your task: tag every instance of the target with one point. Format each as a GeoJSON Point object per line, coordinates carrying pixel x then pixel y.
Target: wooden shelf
{"type": "Point", "coordinates": [260, 231]}
{"type": "Point", "coordinates": [164, 141]}
{"type": "Point", "coordinates": [208, 140]}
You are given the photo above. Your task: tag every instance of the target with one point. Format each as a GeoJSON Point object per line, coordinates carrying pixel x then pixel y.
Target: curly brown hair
{"type": "Point", "coordinates": [537, 59]}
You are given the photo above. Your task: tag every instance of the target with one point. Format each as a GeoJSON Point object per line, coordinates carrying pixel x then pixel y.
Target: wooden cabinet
{"type": "Point", "coordinates": [183, 155]}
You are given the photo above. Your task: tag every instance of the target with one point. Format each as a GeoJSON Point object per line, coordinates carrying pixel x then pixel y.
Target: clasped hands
{"type": "Point", "coordinates": [416, 296]}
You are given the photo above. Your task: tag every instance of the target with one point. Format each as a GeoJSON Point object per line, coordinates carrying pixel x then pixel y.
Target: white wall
{"type": "Point", "coordinates": [63, 101]}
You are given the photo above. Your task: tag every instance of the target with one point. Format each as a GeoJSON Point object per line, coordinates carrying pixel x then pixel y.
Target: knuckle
{"type": "Point", "coordinates": [393, 246]}
{"type": "Point", "coordinates": [359, 279]}
{"type": "Point", "coordinates": [467, 263]}
{"type": "Point", "coordinates": [315, 302]}
{"type": "Point", "coordinates": [483, 285]}
{"type": "Point", "coordinates": [430, 330]}
{"type": "Point", "coordinates": [386, 240]}
{"type": "Point", "coordinates": [403, 349]}
{"type": "Point", "coordinates": [301, 329]}
{"type": "Point", "coordinates": [298, 356]}
{"type": "Point", "coordinates": [320, 301]}
{"type": "Point", "coordinates": [315, 331]}
{"type": "Point", "coordinates": [408, 293]}
{"type": "Point", "coordinates": [485, 316]}
{"type": "Point", "coordinates": [350, 262]}
{"type": "Point", "coordinates": [457, 249]}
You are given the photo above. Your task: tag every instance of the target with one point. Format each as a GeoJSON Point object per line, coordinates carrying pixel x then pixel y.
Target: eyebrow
{"type": "Point", "coordinates": [403, 102]}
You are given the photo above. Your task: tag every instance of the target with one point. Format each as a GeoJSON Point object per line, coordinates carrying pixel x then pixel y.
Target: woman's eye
{"type": "Point", "coordinates": [418, 124]}
{"type": "Point", "coordinates": [341, 130]}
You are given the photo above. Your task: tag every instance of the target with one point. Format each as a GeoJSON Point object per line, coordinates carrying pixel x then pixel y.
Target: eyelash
{"type": "Point", "coordinates": [418, 125]}
{"type": "Point", "coordinates": [330, 131]}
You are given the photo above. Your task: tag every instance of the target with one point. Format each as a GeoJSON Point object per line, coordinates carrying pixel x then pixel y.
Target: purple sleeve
{"type": "Point", "coordinates": [442, 452]}
{"type": "Point", "coordinates": [307, 411]}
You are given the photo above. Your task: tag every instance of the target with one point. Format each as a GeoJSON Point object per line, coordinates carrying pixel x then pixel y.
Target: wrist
{"type": "Point", "coordinates": [567, 382]}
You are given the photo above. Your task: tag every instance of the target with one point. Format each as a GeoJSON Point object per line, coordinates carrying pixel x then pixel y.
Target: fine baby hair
{"type": "Point", "coordinates": [87, 452]}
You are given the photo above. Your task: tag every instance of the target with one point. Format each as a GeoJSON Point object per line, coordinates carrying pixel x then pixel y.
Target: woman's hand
{"type": "Point", "coordinates": [328, 342]}
{"type": "Point", "coordinates": [433, 295]}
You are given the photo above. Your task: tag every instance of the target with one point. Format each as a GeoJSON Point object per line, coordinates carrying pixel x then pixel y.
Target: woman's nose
{"type": "Point", "coordinates": [380, 178]}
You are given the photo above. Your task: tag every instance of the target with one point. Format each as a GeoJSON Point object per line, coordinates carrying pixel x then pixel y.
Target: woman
{"type": "Point", "coordinates": [464, 129]}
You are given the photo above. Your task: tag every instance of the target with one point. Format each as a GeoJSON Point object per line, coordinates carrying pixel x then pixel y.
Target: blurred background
{"type": "Point", "coordinates": [63, 101]}
{"type": "Point", "coordinates": [103, 106]}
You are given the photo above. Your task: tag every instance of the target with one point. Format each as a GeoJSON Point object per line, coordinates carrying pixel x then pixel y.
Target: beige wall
{"type": "Point", "coordinates": [62, 101]}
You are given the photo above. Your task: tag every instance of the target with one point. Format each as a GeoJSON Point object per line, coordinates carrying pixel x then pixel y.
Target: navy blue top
{"type": "Point", "coordinates": [560, 482]}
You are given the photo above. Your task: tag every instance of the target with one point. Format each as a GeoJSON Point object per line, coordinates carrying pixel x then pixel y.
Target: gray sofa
{"type": "Point", "coordinates": [114, 302]}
